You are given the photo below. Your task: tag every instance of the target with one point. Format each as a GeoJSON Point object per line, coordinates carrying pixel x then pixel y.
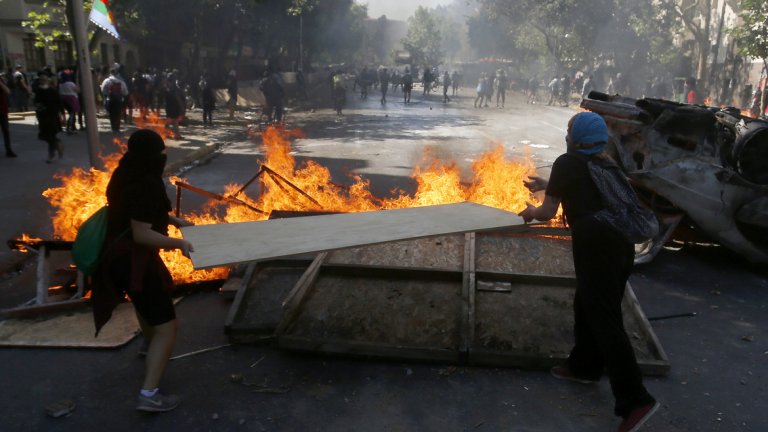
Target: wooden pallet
{"type": "Point", "coordinates": [463, 298]}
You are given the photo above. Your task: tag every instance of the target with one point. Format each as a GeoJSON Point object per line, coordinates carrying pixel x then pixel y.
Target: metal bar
{"type": "Point", "coordinates": [41, 292]}
{"type": "Point", "coordinates": [178, 201]}
{"type": "Point", "coordinates": [250, 181]}
{"type": "Point", "coordinates": [218, 197]}
{"type": "Point", "coordinates": [296, 188]}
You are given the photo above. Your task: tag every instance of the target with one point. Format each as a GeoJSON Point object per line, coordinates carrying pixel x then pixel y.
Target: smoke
{"type": "Point", "coordinates": [398, 9]}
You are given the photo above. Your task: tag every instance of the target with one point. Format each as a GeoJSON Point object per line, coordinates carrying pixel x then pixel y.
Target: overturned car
{"type": "Point", "coordinates": [699, 166]}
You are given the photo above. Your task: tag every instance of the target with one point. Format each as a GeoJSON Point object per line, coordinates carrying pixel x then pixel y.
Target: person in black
{"type": "Point", "coordinates": [407, 81]}
{"type": "Point", "coordinates": [603, 261]}
{"type": "Point", "coordinates": [48, 108]}
{"type": "Point", "coordinates": [137, 228]}
{"type": "Point", "coordinates": [208, 96]}
{"type": "Point", "coordinates": [384, 83]}
{"type": "Point", "coordinates": [273, 92]}
{"type": "Point", "coordinates": [174, 105]}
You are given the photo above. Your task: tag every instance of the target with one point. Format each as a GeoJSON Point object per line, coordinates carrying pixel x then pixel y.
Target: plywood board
{"type": "Point", "coordinates": [226, 244]}
{"type": "Point", "coordinates": [73, 329]}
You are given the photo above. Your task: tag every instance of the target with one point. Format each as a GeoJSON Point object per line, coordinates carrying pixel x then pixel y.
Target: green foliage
{"type": "Point", "coordinates": [752, 35]}
{"type": "Point", "coordinates": [423, 40]}
{"type": "Point", "coordinates": [51, 24]}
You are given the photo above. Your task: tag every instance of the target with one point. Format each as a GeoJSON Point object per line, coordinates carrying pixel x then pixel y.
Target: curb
{"type": "Point", "coordinates": [201, 153]}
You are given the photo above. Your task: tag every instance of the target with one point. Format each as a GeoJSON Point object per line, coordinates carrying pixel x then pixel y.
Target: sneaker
{"type": "Point", "coordinates": [157, 403]}
{"type": "Point", "coordinates": [637, 417]}
{"type": "Point", "coordinates": [564, 373]}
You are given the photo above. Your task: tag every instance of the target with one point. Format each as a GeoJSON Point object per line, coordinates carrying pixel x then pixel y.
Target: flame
{"type": "Point", "coordinates": [494, 181]}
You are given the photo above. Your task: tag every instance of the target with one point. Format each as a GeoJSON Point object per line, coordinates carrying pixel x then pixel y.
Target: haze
{"type": "Point", "coordinates": [398, 9]}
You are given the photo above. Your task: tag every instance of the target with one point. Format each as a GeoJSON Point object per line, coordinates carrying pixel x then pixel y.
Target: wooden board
{"type": "Point", "coordinates": [225, 244]}
{"type": "Point", "coordinates": [73, 329]}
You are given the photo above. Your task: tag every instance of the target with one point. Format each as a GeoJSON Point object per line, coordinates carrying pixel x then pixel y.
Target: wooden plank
{"type": "Point", "coordinates": [295, 297]}
{"type": "Point", "coordinates": [237, 303]}
{"type": "Point", "coordinates": [645, 327]}
{"type": "Point", "coordinates": [225, 244]}
{"type": "Point", "coordinates": [468, 296]}
{"type": "Point", "coordinates": [366, 349]}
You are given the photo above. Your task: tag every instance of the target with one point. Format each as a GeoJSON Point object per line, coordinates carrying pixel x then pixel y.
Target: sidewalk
{"type": "Point", "coordinates": [25, 210]}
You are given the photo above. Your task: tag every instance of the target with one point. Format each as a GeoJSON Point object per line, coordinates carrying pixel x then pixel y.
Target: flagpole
{"type": "Point", "coordinates": [86, 85]}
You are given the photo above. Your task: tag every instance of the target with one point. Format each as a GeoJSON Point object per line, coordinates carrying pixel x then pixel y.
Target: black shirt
{"type": "Point", "coordinates": [570, 181]}
{"type": "Point", "coordinates": [141, 198]}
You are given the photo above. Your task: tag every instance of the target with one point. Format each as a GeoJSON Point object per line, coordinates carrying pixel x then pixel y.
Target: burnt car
{"type": "Point", "coordinates": [696, 166]}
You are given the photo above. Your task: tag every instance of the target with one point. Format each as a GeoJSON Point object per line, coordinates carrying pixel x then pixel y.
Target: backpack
{"type": "Point", "coordinates": [86, 250]}
{"type": "Point", "coordinates": [115, 90]}
{"type": "Point", "coordinates": [622, 209]}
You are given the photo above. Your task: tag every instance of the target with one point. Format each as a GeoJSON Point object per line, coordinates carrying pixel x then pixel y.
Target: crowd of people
{"type": "Point", "coordinates": [56, 97]}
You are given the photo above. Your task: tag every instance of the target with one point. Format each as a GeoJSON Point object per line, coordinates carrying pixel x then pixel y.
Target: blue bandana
{"type": "Point", "coordinates": [589, 128]}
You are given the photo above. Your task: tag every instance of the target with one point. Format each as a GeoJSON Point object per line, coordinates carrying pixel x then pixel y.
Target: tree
{"type": "Point", "coordinates": [696, 17]}
{"type": "Point", "coordinates": [565, 28]}
{"type": "Point", "coordinates": [423, 41]}
{"type": "Point", "coordinates": [752, 35]}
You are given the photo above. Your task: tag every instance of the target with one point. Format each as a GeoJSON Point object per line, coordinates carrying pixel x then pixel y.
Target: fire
{"type": "Point", "coordinates": [495, 181]}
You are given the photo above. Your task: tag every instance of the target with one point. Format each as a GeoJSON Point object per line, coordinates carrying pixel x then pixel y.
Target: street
{"type": "Point", "coordinates": [717, 380]}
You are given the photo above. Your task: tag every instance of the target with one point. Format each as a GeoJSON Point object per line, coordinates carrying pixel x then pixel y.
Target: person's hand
{"type": "Point", "coordinates": [528, 213]}
{"type": "Point", "coordinates": [535, 184]}
{"type": "Point", "coordinates": [185, 247]}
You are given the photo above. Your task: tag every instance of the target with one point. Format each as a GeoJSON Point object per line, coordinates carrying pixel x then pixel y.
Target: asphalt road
{"type": "Point", "coordinates": [718, 380]}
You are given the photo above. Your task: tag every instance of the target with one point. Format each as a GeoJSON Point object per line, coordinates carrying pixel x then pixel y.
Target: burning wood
{"type": "Point", "coordinates": [496, 182]}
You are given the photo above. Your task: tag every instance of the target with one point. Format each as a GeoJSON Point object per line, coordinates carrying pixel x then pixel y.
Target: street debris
{"type": "Point", "coordinates": [204, 350]}
{"type": "Point", "coordinates": [61, 408]}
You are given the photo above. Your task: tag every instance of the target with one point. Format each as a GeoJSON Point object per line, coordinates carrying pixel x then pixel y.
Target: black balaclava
{"type": "Point", "coordinates": [145, 154]}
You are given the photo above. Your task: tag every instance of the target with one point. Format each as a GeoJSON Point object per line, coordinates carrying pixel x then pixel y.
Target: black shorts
{"type": "Point", "coordinates": [154, 304]}
{"type": "Point", "coordinates": [153, 301]}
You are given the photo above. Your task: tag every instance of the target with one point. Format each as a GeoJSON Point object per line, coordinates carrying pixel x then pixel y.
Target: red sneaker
{"type": "Point", "coordinates": [564, 373]}
{"type": "Point", "coordinates": [637, 417]}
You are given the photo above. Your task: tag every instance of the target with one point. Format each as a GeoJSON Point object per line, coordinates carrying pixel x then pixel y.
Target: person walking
{"type": "Point", "coordinates": [384, 84]}
{"type": "Point", "coordinates": [501, 87]}
{"type": "Point", "coordinates": [114, 91]}
{"type": "Point", "coordinates": [20, 90]}
{"type": "Point", "coordinates": [208, 97]}
{"type": "Point", "coordinates": [407, 86]}
{"type": "Point", "coordinates": [232, 92]}
{"type": "Point", "coordinates": [68, 92]}
{"type": "Point", "coordinates": [137, 228]}
{"type": "Point", "coordinates": [446, 86]}
{"type": "Point", "coordinates": [47, 109]}
{"type": "Point", "coordinates": [603, 261]}
{"type": "Point", "coordinates": [5, 93]}
{"type": "Point", "coordinates": [174, 105]}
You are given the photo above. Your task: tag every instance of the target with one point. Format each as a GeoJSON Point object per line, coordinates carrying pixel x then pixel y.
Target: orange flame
{"type": "Point", "coordinates": [495, 181]}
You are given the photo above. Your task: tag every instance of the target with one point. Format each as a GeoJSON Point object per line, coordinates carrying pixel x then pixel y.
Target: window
{"type": "Point", "coordinates": [104, 54]}
{"type": "Point", "coordinates": [116, 53]}
{"type": "Point", "coordinates": [34, 56]}
{"type": "Point", "coordinates": [62, 56]}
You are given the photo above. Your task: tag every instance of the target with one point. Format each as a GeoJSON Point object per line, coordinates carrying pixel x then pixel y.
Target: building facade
{"type": "Point", "coordinates": [18, 43]}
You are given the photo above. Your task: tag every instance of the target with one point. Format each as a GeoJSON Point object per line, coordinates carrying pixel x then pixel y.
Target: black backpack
{"type": "Point", "coordinates": [622, 208]}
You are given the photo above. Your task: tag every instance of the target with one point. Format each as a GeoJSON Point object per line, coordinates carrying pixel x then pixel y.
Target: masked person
{"type": "Point", "coordinates": [137, 229]}
{"type": "Point", "coordinates": [48, 109]}
{"type": "Point", "coordinates": [603, 261]}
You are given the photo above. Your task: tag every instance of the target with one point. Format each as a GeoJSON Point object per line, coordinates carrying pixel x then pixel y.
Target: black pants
{"type": "Point", "coordinates": [207, 116]}
{"type": "Point", "coordinates": [6, 133]}
{"type": "Point", "coordinates": [603, 262]}
{"type": "Point", "coordinates": [115, 108]}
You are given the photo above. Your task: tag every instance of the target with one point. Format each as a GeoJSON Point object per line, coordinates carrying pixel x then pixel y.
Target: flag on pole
{"type": "Point", "coordinates": [102, 17]}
